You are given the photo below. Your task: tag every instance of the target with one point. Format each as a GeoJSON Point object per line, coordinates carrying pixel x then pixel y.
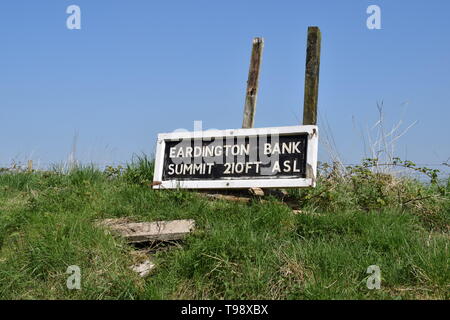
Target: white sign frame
{"type": "Point", "coordinates": [233, 183]}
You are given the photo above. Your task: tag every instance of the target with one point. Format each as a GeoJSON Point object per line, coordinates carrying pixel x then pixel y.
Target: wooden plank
{"type": "Point", "coordinates": [252, 83]}
{"type": "Point", "coordinates": [279, 193]}
{"type": "Point", "coordinates": [225, 197]}
{"type": "Point", "coordinates": [252, 93]}
{"type": "Point", "coordinates": [312, 76]}
{"type": "Point", "coordinates": [135, 232]}
{"type": "Point", "coordinates": [293, 205]}
{"type": "Point", "coordinates": [228, 197]}
{"type": "Point", "coordinates": [256, 192]}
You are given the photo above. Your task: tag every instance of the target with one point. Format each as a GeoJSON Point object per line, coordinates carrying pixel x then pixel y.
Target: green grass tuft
{"type": "Point", "coordinates": [260, 250]}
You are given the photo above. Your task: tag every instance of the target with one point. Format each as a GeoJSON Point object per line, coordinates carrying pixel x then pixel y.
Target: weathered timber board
{"type": "Point", "coordinates": [135, 232]}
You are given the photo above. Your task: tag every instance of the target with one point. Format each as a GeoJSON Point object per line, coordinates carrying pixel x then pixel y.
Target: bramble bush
{"type": "Point", "coordinates": [363, 187]}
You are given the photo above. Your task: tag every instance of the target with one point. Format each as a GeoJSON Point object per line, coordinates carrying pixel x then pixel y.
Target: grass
{"type": "Point", "coordinates": [238, 251]}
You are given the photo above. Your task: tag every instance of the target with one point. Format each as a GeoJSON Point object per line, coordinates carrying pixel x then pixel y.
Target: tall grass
{"type": "Point", "coordinates": [238, 251]}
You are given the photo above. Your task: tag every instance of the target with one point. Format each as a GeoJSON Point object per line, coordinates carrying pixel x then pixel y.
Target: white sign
{"type": "Point", "coordinates": [278, 157]}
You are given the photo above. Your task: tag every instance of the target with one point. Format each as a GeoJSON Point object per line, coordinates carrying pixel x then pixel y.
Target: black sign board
{"type": "Point", "coordinates": [237, 158]}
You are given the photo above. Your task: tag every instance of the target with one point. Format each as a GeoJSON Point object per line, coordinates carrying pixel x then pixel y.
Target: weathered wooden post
{"type": "Point", "coordinates": [252, 83]}
{"type": "Point", "coordinates": [252, 92]}
{"type": "Point", "coordinates": [312, 76]}
{"type": "Point", "coordinates": [30, 166]}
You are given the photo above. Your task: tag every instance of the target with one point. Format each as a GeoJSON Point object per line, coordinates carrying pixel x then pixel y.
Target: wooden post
{"type": "Point", "coordinates": [30, 166]}
{"type": "Point", "coordinates": [252, 92]}
{"type": "Point", "coordinates": [252, 83]}
{"type": "Point", "coordinates": [312, 76]}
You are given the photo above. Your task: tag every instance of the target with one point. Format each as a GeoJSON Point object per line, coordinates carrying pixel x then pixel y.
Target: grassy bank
{"type": "Point", "coordinates": [238, 251]}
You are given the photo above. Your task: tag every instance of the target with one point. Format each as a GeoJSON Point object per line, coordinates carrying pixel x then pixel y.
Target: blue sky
{"type": "Point", "coordinates": [137, 68]}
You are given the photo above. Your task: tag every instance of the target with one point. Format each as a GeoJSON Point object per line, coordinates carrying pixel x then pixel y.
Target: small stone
{"type": "Point", "coordinates": [144, 268]}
